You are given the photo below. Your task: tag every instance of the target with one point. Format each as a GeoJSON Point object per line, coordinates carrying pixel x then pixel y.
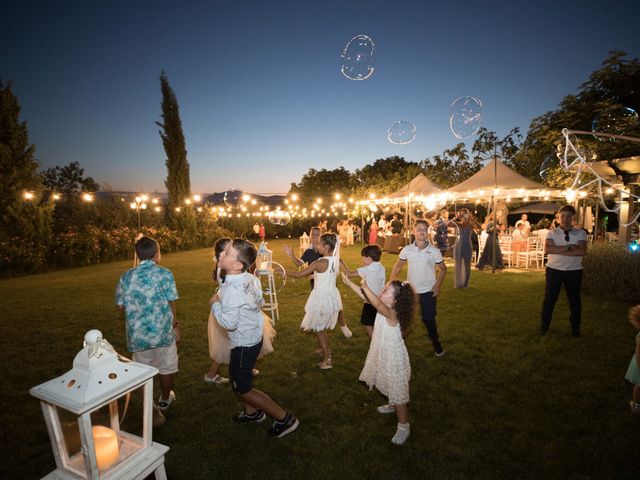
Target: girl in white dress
{"type": "Point", "coordinates": [219, 349]}
{"type": "Point", "coordinates": [324, 303]}
{"type": "Point", "coordinates": [387, 365]}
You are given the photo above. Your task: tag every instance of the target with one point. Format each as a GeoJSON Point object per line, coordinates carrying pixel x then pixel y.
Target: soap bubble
{"type": "Point", "coordinates": [401, 132]}
{"type": "Point", "coordinates": [232, 197]}
{"type": "Point", "coordinates": [279, 217]}
{"type": "Point", "coordinates": [465, 116]}
{"type": "Point", "coordinates": [617, 119]}
{"type": "Point", "coordinates": [277, 281]}
{"type": "Point", "coordinates": [443, 234]}
{"type": "Point", "coordinates": [358, 58]}
{"type": "Point", "coordinates": [550, 166]}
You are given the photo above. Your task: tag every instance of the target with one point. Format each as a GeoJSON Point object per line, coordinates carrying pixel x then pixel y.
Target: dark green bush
{"type": "Point", "coordinates": [611, 271]}
{"type": "Point", "coordinates": [92, 245]}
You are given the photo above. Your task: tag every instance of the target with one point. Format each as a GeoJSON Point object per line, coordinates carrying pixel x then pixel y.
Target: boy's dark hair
{"type": "Point", "coordinates": [315, 228]}
{"type": "Point", "coordinates": [405, 300]}
{"type": "Point", "coordinates": [247, 252]}
{"type": "Point", "coordinates": [218, 247]}
{"type": "Point", "coordinates": [329, 240]}
{"type": "Point", "coordinates": [421, 221]}
{"type": "Point", "coordinates": [146, 248]}
{"type": "Point", "coordinates": [568, 208]}
{"type": "Point", "coordinates": [374, 252]}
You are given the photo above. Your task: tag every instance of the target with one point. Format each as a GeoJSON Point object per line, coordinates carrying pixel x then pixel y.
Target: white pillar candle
{"type": "Point", "coordinates": [106, 443]}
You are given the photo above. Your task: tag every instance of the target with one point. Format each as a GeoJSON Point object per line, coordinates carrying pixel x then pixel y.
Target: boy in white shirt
{"type": "Point", "coordinates": [373, 272]}
{"type": "Point", "coordinates": [237, 308]}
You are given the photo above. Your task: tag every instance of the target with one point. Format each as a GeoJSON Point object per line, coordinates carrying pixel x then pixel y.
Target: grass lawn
{"type": "Point", "coordinates": [502, 403]}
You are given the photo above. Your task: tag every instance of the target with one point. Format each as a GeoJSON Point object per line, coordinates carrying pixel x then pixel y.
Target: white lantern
{"type": "Point", "coordinates": [264, 259]}
{"type": "Point", "coordinates": [81, 410]}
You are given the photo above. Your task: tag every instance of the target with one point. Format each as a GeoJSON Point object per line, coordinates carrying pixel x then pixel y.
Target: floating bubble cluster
{"type": "Point", "coordinates": [575, 159]}
{"type": "Point", "coordinates": [465, 116]}
{"type": "Point", "coordinates": [358, 58]}
{"type": "Point", "coordinates": [401, 132]}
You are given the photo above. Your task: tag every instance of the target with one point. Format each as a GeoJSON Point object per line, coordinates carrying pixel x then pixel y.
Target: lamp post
{"type": "Point", "coordinates": [139, 204]}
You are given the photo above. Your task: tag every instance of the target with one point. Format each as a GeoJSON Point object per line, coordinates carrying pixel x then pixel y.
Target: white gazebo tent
{"type": "Point", "coordinates": [420, 189]}
{"type": "Point", "coordinates": [420, 186]}
{"type": "Point", "coordinates": [496, 180]}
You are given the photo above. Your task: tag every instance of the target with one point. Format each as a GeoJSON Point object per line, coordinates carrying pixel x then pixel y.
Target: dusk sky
{"type": "Point", "coordinates": [261, 95]}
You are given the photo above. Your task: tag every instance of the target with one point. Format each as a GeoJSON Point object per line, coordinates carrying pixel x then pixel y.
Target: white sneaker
{"type": "Point", "coordinates": [402, 433]}
{"type": "Point", "coordinates": [255, 372]}
{"type": "Point", "coordinates": [386, 409]}
{"type": "Point", "coordinates": [163, 404]}
{"type": "Point", "coordinates": [218, 380]}
{"type": "Point", "coordinates": [346, 332]}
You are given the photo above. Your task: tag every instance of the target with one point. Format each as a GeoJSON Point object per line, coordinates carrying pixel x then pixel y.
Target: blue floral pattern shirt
{"type": "Point", "coordinates": [145, 292]}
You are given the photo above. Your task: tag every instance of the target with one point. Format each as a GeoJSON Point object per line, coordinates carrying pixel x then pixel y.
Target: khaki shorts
{"type": "Point", "coordinates": [165, 359]}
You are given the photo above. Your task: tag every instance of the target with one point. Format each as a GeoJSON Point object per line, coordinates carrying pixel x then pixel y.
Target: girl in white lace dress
{"type": "Point", "coordinates": [324, 303]}
{"type": "Point", "coordinates": [387, 365]}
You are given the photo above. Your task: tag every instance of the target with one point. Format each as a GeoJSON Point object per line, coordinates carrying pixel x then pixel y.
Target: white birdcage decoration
{"type": "Point", "coordinates": [81, 410]}
{"type": "Point", "coordinates": [304, 243]}
{"type": "Point", "coordinates": [264, 259]}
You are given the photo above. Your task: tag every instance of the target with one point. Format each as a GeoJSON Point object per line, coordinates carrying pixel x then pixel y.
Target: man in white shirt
{"type": "Point", "coordinates": [424, 260]}
{"type": "Point", "coordinates": [527, 225]}
{"type": "Point", "coordinates": [566, 246]}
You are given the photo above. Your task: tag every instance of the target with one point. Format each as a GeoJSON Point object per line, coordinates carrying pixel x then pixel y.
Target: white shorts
{"type": "Point", "coordinates": [165, 359]}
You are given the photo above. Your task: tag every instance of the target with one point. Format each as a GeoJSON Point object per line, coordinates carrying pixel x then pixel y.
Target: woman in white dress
{"type": "Point", "coordinates": [387, 365]}
{"type": "Point", "coordinates": [324, 303]}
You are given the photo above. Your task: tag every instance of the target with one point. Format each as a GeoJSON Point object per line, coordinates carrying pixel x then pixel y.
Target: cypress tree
{"type": "Point", "coordinates": [178, 182]}
{"type": "Point", "coordinates": [26, 219]}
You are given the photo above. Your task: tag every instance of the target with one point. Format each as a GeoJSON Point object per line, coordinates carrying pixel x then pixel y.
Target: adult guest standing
{"type": "Point", "coordinates": [424, 261]}
{"type": "Point", "coordinates": [566, 247]}
{"type": "Point", "coordinates": [463, 249]}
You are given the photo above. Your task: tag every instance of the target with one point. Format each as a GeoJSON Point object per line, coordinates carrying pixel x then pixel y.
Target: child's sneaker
{"type": "Point", "coordinates": [255, 417]}
{"type": "Point", "coordinates": [255, 372]}
{"type": "Point", "coordinates": [285, 427]}
{"type": "Point", "coordinates": [634, 406]}
{"type": "Point", "coordinates": [218, 380]}
{"type": "Point", "coordinates": [326, 364]}
{"type": "Point", "coordinates": [345, 331]}
{"type": "Point", "coordinates": [402, 433]}
{"type": "Point", "coordinates": [386, 409]}
{"type": "Point", "coordinates": [163, 404]}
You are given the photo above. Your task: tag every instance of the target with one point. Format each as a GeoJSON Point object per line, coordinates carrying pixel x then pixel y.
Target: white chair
{"type": "Point", "coordinates": [533, 253]}
{"type": "Point", "coordinates": [505, 247]}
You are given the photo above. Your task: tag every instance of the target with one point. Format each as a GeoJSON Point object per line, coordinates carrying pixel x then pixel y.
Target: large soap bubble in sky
{"type": "Point", "coordinates": [618, 120]}
{"type": "Point", "coordinates": [465, 116]}
{"type": "Point", "coordinates": [358, 58]}
{"type": "Point", "coordinates": [401, 132]}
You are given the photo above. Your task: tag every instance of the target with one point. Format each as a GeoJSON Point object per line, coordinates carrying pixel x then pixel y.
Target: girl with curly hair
{"type": "Point", "coordinates": [387, 365]}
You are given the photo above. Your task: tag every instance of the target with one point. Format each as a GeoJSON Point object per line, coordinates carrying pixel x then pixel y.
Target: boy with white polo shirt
{"type": "Point", "coordinates": [424, 261]}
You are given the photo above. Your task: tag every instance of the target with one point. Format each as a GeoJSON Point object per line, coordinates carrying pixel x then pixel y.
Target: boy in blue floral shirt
{"type": "Point", "coordinates": [146, 295]}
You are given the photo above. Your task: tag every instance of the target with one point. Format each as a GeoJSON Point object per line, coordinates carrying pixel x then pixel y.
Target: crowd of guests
{"type": "Point", "coordinates": [240, 333]}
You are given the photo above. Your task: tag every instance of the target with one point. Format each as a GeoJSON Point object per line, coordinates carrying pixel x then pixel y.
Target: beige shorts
{"type": "Point", "coordinates": [165, 359]}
